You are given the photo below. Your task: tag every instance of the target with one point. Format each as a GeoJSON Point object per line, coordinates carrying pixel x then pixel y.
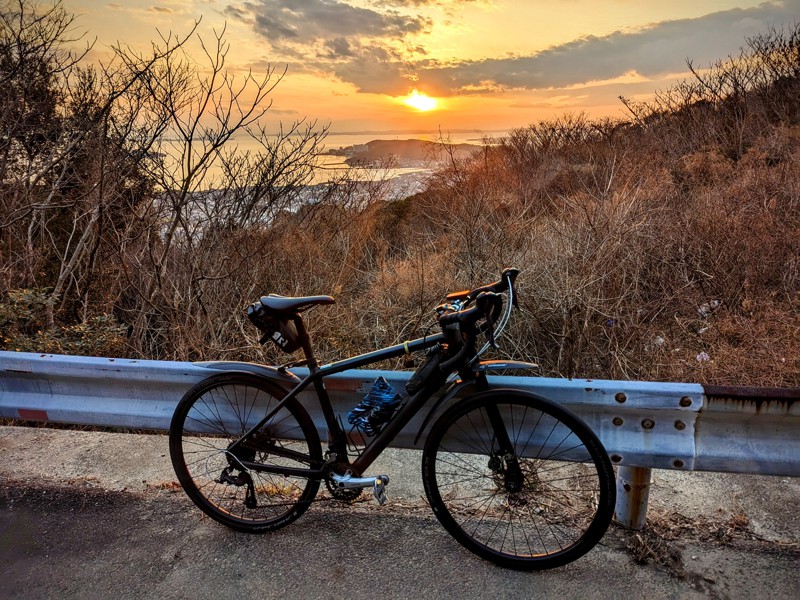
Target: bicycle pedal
{"type": "Point", "coordinates": [379, 488]}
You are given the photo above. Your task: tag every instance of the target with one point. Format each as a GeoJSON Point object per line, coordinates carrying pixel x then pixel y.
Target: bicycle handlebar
{"type": "Point", "coordinates": [487, 303]}
{"type": "Point", "coordinates": [507, 278]}
{"type": "Point", "coordinates": [461, 321]}
{"type": "Point", "coordinates": [462, 300]}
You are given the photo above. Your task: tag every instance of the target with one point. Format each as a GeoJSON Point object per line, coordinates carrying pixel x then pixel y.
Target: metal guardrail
{"type": "Point", "coordinates": [642, 425]}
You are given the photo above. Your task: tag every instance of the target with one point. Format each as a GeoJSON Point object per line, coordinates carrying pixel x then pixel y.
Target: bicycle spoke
{"type": "Point", "coordinates": [211, 468]}
{"type": "Point", "coordinates": [529, 505]}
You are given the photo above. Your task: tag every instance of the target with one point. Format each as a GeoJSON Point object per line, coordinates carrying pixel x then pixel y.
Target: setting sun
{"type": "Point", "coordinates": [421, 102]}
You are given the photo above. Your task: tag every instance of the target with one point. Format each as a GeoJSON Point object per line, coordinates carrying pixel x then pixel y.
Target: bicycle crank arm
{"type": "Point", "coordinates": [378, 484]}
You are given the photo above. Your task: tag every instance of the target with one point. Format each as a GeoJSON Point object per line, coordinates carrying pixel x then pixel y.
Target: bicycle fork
{"type": "Point", "coordinates": [505, 460]}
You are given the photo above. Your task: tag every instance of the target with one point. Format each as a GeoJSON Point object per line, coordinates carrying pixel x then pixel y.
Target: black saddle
{"type": "Point", "coordinates": [287, 304]}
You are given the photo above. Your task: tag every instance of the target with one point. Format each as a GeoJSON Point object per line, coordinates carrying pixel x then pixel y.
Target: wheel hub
{"type": "Point", "coordinates": [514, 479]}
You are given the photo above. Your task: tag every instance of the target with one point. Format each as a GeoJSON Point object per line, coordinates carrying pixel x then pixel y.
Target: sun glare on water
{"type": "Point", "coordinates": [421, 102]}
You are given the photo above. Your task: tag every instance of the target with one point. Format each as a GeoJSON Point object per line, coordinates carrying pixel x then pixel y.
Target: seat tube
{"type": "Point", "coordinates": [327, 409]}
{"type": "Point", "coordinates": [305, 340]}
{"type": "Point", "coordinates": [313, 367]}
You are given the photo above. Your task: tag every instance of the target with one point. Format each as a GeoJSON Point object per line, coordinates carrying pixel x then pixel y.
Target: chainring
{"type": "Point", "coordinates": [343, 494]}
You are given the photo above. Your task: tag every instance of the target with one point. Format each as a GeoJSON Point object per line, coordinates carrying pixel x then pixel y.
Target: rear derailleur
{"type": "Point", "coordinates": [243, 478]}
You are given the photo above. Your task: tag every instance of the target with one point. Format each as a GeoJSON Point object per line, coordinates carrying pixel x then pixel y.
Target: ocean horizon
{"type": "Point", "coordinates": [333, 165]}
{"type": "Point", "coordinates": [342, 139]}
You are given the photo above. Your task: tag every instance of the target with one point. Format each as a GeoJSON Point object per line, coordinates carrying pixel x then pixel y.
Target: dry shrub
{"type": "Point", "coordinates": [648, 548]}
{"type": "Point", "coordinates": [760, 349]}
{"type": "Point", "coordinates": [703, 169]}
{"type": "Point", "coordinates": [616, 265]}
{"type": "Point", "coordinates": [624, 232]}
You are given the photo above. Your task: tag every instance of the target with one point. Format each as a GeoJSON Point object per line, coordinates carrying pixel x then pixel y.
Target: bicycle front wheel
{"type": "Point", "coordinates": [218, 411]}
{"type": "Point", "coordinates": [518, 480]}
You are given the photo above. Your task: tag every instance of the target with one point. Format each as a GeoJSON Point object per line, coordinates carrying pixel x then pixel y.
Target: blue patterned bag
{"type": "Point", "coordinates": [377, 407]}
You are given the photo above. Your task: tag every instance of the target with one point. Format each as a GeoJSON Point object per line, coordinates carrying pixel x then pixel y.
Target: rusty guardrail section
{"type": "Point", "coordinates": [643, 425]}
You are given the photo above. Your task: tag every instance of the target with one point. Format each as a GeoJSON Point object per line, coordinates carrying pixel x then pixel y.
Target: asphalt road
{"type": "Point", "coordinates": [70, 528]}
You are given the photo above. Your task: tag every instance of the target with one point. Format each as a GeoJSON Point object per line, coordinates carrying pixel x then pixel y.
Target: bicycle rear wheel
{"type": "Point", "coordinates": [518, 480]}
{"type": "Point", "coordinates": [215, 413]}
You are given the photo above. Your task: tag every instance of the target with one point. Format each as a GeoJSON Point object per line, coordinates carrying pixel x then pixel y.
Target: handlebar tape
{"type": "Point", "coordinates": [507, 277]}
{"type": "Point", "coordinates": [486, 304]}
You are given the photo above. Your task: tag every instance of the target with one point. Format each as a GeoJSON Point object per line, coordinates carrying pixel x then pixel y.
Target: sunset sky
{"type": "Point", "coordinates": [484, 65]}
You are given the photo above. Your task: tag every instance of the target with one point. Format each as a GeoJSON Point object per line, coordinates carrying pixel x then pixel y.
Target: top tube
{"type": "Point", "coordinates": [383, 354]}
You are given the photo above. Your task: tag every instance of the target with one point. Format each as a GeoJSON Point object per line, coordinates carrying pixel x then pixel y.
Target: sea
{"type": "Point", "coordinates": [344, 139]}
{"type": "Point", "coordinates": [332, 166]}
{"type": "Point", "coordinates": [395, 183]}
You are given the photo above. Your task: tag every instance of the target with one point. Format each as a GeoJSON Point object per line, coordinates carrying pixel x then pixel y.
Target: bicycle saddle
{"type": "Point", "coordinates": [288, 304]}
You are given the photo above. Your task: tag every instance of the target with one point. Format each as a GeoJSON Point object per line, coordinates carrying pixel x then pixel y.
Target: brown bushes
{"type": "Point", "coordinates": [667, 247]}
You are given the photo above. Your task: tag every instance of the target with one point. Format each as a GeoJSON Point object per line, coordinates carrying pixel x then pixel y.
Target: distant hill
{"type": "Point", "coordinates": [404, 153]}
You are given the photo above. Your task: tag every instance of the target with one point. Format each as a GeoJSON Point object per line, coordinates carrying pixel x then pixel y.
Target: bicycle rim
{"type": "Point", "coordinates": [543, 502]}
{"type": "Point", "coordinates": [217, 412]}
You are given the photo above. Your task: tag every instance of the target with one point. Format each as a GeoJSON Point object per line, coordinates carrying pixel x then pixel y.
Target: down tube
{"type": "Point", "coordinates": [385, 437]}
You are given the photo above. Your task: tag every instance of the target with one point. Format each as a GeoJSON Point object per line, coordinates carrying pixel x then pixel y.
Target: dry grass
{"type": "Point", "coordinates": [661, 542]}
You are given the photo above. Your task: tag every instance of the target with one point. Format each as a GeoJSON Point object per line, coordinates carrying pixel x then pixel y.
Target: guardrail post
{"type": "Point", "coordinates": [633, 490]}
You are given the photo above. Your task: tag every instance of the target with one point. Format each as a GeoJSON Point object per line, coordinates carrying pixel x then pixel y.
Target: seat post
{"type": "Point", "coordinates": [305, 340]}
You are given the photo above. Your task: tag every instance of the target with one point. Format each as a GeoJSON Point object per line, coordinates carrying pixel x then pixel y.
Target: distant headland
{"type": "Point", "coordinates": [403, 153]}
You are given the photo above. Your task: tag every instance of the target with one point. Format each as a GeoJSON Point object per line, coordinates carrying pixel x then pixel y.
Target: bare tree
{"type": "Point", "coordinates": [133, 163]}
{"type": "Point", "coordinates": [206, 186]}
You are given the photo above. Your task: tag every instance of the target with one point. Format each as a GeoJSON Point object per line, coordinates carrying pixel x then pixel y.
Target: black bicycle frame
{"type": "Point", "coordinates": [316, 376]}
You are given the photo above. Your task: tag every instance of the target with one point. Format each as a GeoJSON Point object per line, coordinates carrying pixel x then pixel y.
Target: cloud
{"type": "Point", "coordinates": [651, 52]}
{"type": "Point", "coordinates": [562, 101]}
{"type": "Point", "coordinates": [311, 21]}
{"type": "Point", "coordinates": [378, 70]}
{"type": "Point", "coordinates": [369, 47]}
{"type": "Point", "coordinates": [333, 37]}
{"type": "Point", "coordinates": [240, 13]}
{"type": "Point", "coordinates": [418, 3]}
{"type": "Point", "coordinates": [338, 48]}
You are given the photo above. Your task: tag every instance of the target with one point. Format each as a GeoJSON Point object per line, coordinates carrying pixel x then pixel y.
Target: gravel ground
{"type": "Point", "coordinates": [97, 515]}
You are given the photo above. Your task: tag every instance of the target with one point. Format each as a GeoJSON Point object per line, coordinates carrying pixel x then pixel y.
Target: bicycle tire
{"type": "Point", "coordinates": [549, 510]}
{"type": "Point", "coordinates": [219, 410]}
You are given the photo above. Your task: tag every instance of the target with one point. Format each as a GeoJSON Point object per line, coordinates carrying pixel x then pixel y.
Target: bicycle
{"type": "Point", "coordinates": [512, 476]}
